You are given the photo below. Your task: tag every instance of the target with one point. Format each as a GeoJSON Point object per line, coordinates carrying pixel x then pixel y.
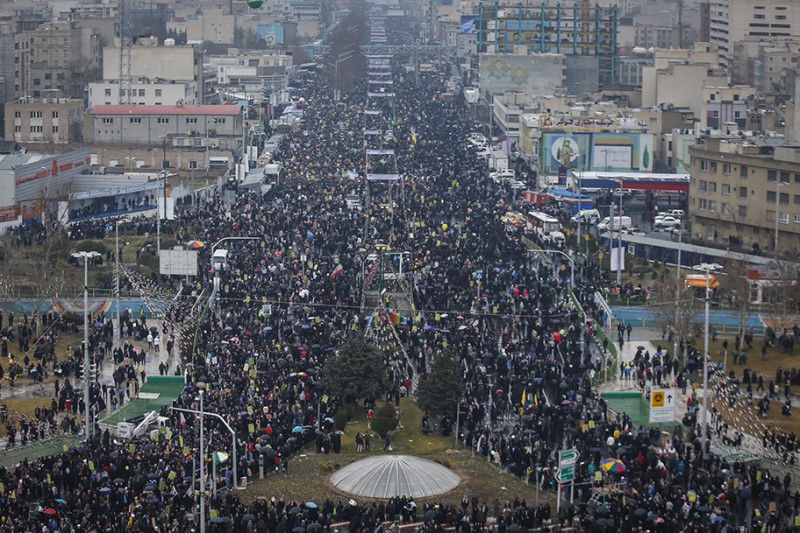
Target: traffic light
{"type": "Point", "coordinates": [80, 371]}
{"type": "Point", "coordinates": [94, 372]}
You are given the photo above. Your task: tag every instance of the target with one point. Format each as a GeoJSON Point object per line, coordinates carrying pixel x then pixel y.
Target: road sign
{"type": "Point", "coordinates": [662, 406]}
{"type": "Point", "coordinates": [567, 457]}
{"type": "Point", "coordinates": [566, 474]}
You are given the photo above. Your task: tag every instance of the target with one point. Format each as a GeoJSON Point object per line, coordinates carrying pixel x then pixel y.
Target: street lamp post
{"type": "Point", "coordinates": [86, 380]}
{"type": "Point", "coordinates": [705, 355]}
{"type": "Point", "coordinates": [571, 261]}
{"type": "Point", "coordinates": [677, 294]}
{"type": "Point", "coordinates": [230, 430]}
{"type": "Point", "coordinates": [202, 462]}
{"type": "Point", "coordinates": [118, 329]}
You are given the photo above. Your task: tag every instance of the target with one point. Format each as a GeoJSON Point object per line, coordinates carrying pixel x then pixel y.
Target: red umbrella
{"type": "Point", "coordinates": [49, 511]}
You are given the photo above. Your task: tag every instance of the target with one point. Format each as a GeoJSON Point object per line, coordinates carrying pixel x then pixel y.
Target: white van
{"type": "Point", "coordinates": [219, 261]}
{"type": "Point", "coordinates": [590, 216]}
{"type": "Point", "coordinates": [619, 223]}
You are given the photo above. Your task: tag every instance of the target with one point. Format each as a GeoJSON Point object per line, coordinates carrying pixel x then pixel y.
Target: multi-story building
{"type": "Point", "coordinates": [165, 136]}
{"type": "Point", "coordinates": [732, 21]}
{"type": "Point", "coordinates": [145, 91]}
{"type": "Point", "coordinates": [740, 185]}
{"type": "Point", "coordinates": [56, 56]}
{"type": "Point", "coordinates": [50, 119]}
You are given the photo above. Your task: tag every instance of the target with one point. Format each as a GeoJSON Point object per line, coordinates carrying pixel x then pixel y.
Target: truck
{"type": "Point", "coordinates": [219, 261]}
{"type": "Point", "coordinates": [619, 223]}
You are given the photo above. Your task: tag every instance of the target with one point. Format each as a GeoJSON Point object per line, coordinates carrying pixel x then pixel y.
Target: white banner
{"type": "Point", "coordinates": [618, 258]}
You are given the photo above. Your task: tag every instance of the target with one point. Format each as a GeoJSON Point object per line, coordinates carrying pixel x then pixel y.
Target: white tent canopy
{"type": "Point", "coordinates": [386, 476]}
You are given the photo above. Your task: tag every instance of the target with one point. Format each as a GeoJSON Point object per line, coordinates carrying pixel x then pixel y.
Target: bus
{"type": "Point", "coordinates": [544, 225]}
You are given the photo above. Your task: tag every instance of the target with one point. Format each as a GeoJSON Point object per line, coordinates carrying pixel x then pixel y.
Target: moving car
{"type": "Point", "coordinates": [666, 222]}
{"type": "Point", "coordinates": [711, 267]}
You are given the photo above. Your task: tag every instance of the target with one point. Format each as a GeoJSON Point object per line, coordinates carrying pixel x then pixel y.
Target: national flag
{"type": "Point", "coordinates": [524, 396]}
{"type": "Point", "coordinates": [352, 174]}
{"type": "Point", "coordinates": [337, 271]}
{"type": "Point", "coordinates": [183, 420]}
{"type": "Point", "coordinates": [220, 457]}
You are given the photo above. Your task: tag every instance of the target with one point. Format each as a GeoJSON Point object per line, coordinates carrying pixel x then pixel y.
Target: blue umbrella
{"type": "Point", "coordinates": [104, 490]}
{"type": "Point", "coordinates": [297, 429]}
{"type": "Point", "coordinates": [63, 502]}
{"type": "Point", "coordinates": [311, 505]}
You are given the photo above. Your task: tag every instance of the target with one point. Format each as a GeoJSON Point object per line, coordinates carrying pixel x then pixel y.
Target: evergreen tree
{"type": "Point", "coordinates": [357, 372]}
{"type": "Point", "coordinates": [441, 392]}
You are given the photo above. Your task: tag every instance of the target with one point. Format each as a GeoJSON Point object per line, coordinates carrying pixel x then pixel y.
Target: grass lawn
{"type": "Point", "coordinates": [768, 367]}
{"type": "Point", "coordinates": [309, 472]}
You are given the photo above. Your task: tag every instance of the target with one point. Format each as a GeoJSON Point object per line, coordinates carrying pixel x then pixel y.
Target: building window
{"type": "Point", "coordinates": [712, 166]}
{"type": "Point", "coordinates": [55, 129]}
{"type": "Point", "coordinates": [703, 165]}
{"type": "Point", "coordinates": [726, 168]}
{"type": "Point", "coordinates": [108, 120]}
{"type": "Point", "coordinates": [163, 120]}
{"type": "Point", "coordinates": [35, 114]}
{"type": "Point", "coordinates": [726, 208]}
{"type": "Point", "coordinates": [772, 175]}
{"type": "Point", "coordinates": [712, 186]}
{"type": "Point", "coordinates": [55, 114]}
{"type": "Point", "coordinates": [771, 196]}
{"type": "Point", "coordinates": [784, 197]}
{"type": "Point", "coordinates": [712, 205]}
{"type": "Point", "coordinates": [743, 171]}
{"type": "Point", "coordinates": [36, 129]}
{"type": "Point", "coordinates": [141, 92]}
{"type": "Point", "coordinates": [742, 192]}
{"type": "Point", "coordinates": [797, 198]}
{"type": "Point", "coordinates": [759, 16]}
{"type": "Point", "coordinates": [797, 219]}
{"type": "Point", "coordinates": [108, 92]}
{"type": "Point", "coordinates": [784, 177]}
{"type": "Point", "coordinates": [135, 120]}
{"type": "Point", "coordinates": [783, 218]}
{"type": "Point", "coordinates": [742, 210]}
{"type": "Point", "coordinates": [219, 120]}
{"type": "Point", "coordinates": [703, 185]}
{"type": "Point", "coordinates": [18, 114]}
{"type": "Point", "coordinates": [191, 120]}
{"type": "Point", "coordinates": [726, 189]}
{"type": "Point", "coordinates": [158, 93]}
{"type": "Point", "coordinates": [702, 204]}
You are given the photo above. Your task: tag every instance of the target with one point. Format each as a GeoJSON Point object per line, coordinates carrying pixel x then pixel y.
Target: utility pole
{"type": "Point", "coordinates": [675, 342]}
{"type": "Point", "coordinates": [118, 329]}
{"type": "Point", "coordinates": [86, 380]}
{"type": "Point", "coordinates": [705, 362]}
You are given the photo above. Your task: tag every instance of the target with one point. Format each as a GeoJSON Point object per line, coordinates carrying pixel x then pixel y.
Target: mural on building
{"type": "Point", "coordinates": [596, 152]}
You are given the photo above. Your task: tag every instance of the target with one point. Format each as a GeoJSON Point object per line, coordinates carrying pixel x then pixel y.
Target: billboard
{"type": "Point", "coordinates": [468, 23]}
{"type": "Point", "coordinates": [178, 262]}
{"type": "Point", "coordinates": [534, 75]}
{"type": "Point", "coordinates": [562, 151]}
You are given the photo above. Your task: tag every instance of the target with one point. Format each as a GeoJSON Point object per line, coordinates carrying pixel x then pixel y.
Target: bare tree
{"type": "Point", "coordinates": [675, 311]}
{"type": "Point", "coordinates": [736, 288]}
{"type": "Point", "coordinates": [782, 293]}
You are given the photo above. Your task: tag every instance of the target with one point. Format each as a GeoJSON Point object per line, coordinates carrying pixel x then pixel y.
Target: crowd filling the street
{"type": "Point", "coordinates": [522, 324]}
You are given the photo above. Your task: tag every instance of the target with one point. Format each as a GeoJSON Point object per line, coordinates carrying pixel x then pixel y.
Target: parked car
{"type": "Point", "coordinates": [500, 175]}
{"type": "Point", "coordinates": [711, 267]}
{"type": "Point", "coordinates": [666, 222]}
{"type": "Point", "coordinates": [634, 231]}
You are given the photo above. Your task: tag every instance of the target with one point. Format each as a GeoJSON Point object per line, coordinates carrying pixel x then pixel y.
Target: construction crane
{"type": "Point", "coordinates": [125, 44]}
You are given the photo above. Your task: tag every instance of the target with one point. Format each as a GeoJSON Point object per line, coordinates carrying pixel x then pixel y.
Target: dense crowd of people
{"type": "Point", "coordinates": [290, 297]}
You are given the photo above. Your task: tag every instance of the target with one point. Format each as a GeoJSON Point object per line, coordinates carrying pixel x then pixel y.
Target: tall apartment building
{"type": "Point", "coordinates": [55, 56]}
{"type": "Point", "coordinates": [733, 21]}
{"type": "Point", "coordinates": [738, 184]}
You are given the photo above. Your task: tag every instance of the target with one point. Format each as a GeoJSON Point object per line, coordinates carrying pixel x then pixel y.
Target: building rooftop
{"type": "Point", "coordinates": [226, 109]}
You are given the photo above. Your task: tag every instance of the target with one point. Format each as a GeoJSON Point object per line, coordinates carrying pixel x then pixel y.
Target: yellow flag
{"type": "Point", "coordinates": [536, 400]}
{"type": "Point", "coordinates": [524, 396]}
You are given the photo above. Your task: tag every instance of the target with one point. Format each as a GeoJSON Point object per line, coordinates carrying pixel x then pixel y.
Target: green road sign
{"type": "Point", "coordinates": [566, 474]}
{"type": "Point", "coordinates": [567, 457]}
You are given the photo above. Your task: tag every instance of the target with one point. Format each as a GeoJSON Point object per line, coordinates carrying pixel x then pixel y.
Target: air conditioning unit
{"type": "Point", "coordinates": [271, 39]}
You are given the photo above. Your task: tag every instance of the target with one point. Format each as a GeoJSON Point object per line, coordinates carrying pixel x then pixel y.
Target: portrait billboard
{"type": "Point", "coordinates": [562, 151]}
